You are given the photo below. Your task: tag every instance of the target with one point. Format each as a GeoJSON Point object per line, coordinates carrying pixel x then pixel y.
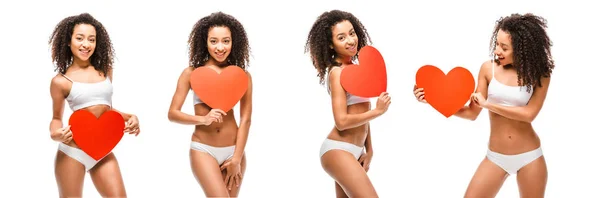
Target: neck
{"type": "Point", "coordinates": [212, 61]}
{"type": "Point", "coordinates": [80, 63]}
{"type": "Point", "coordinates": [344, 60]}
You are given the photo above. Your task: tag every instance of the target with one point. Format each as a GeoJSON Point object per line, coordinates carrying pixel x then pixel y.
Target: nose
{"type": "Point", "coordinates": [220, 47]}
{"type": "Point", "coordinates": [86, 43]}
{"type": "Point", "coordinates": [350, 41]}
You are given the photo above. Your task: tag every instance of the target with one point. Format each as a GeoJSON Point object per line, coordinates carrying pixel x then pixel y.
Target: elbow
{"type": "Point", "coordinates": [246, 122]}
{"type": "Point", "coordinates": [171, 115]}
{"type": "Point", "coordinates": [340, 125]}
{"type": "Point", "coordinates": [529, 118]}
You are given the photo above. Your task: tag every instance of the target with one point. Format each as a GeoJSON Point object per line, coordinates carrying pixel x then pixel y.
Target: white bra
{"type": "Point", "coordinates": [83, 95]}
{"type": "Point", "coordinates": [196, 99]}
{"type": "Point", "coordinates": [350, 99]}
{"type": "Point", "coordinates": [507, 95]}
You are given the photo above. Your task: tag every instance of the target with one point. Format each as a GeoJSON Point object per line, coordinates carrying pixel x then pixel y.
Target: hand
{"type": "Point", "coordinates": [63, 135]}
{"type": "Point", "coordinates": [383, 102]}
{"type": "Point", "coordinates": [132, 126]}
{"type": "Point", "coordinates": [233, 172]}
{"type": "Point", "coordinates": [479, 100]}
{"type": "Point", "coordinates": [420, 94]}
{"type": "Point", "coordinates": [215, 115]}
{"type": "Point", "coordinates": [365, 160]}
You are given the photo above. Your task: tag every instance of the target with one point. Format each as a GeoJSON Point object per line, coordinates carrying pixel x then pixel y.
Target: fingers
{"type": "Point", "coordinates": [220, 112]}
{"type": "Point", "coordinates": [238, 180]}
{"type": "Point", "coordinates": [419, 90]}
{"type": "Point", "coordinates": [227, 179]}
{"type": "Point", "coordinates": [224, 166]}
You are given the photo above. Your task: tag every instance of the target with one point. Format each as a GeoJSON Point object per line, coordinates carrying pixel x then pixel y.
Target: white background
{"type": "Point", "coordinates": [418, 152]}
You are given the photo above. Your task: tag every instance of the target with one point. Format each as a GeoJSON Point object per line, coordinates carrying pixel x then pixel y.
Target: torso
{"type": "Point", "coordinates": [216, 134]}
{"type": "Point", "coordinates": [357, 135]}
{"type": "Point", "coordinates": [509, 136]}
{"type": "Point", "coordinates": [87, 89]}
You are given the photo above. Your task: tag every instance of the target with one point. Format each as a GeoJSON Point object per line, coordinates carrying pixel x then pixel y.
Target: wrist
{"type": "Point", "coordinates": [200, 120]}
{"type": "Point", "coordinates": [377, 111]}
{"type": "Point", "coordinates": [236, 160]}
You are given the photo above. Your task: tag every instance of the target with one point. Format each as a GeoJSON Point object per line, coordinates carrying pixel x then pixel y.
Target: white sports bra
{"type": "Point", "coordinates": [350, 99]}
{"type": "Point", "coordinates": [507, 95]}
{"type": "Point", "coordinates": [83, 95]}
{"type": "Point", "coordinates": [196, 99]}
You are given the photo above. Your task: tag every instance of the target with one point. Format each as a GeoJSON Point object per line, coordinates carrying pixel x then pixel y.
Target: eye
{"type": "Point", "coordinates": [213, 41]}
{"type": "Point", "coordinates": [227, 41]}
{"type": "Point", "coordinates": [341, 38]}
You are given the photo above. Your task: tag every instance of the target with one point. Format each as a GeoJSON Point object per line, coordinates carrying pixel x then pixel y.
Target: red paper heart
{"type": "Point", "coordinates": [369, 78]}
{"type": "Point", "coordinates": [219, 90]}
{"type": "Point", "coordinates": [96, 136]}
{"type": "Point", "coordinates": [446, 93]}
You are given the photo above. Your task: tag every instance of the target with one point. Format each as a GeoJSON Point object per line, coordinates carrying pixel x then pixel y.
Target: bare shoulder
{"type": "Point", "coordinates": [249, 75]}
{"type": "Point", "coordinates": [188, 70]}
{"type": "Point", "coordinates": [486, 69]}
{"type": "Point", "coordinates": [59, 81]}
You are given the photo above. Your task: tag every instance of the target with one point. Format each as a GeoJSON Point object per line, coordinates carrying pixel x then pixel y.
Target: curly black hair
{"type": "Point", "coordinates": [198, 51]}
{"type": "Point", "coordinates": [531, 47]}
{"type": "Point", "coordinates": [320, 38]}
{"type": "Point", "coordinates": [62, 57]}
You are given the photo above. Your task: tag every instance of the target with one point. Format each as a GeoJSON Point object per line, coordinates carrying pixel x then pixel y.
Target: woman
{"type": "Point", "coordinates": [83, 54]}
{"type": "Point", "coordinates": [512, 88]}
{"type": "Point", "coordinates": [333, 42]}
{"type": "Point", "coordinates": [217, 148]}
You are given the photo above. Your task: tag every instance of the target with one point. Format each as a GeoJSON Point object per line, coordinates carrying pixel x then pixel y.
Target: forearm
{"type": "Point", "coordinates": [349, 121]}
{"type": "Point", "coordinates": [515, 113]}
{"type": "Point", "coordinates": [183, 118]}
{"type": "Point", "coordinates": [368, 145]}
{"type": "Point", "coordinates": [469, 112]}
{"type": "Point", "coordinates": [241, 139]}
{"type": "Point", "coordinates": [126, 116]}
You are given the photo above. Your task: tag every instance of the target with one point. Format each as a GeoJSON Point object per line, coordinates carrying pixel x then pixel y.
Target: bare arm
{"type": "Point", "coordinates": [183, 87]}
{"type": "Point", "coordinates": [343, 120]}
{"type": "Point", "coordinates": [245, 120]}
{"type": "Point", "coordinates": [472, 111]}
{"type": "Point", "coordinates": [524, 113]}
{"type": "Point", "coordinates": [368, 145]}
{"type": "Point", "coordinates": [58, 105]}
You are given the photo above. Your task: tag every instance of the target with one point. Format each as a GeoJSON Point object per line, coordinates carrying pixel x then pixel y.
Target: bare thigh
{"type": "Point", "coordinates": [107, 177]}
{"type": "Point", "coordinates": [69, 174]}
{"type": "Point", "coordinates": [532, 178]}
{"type": "Point", "coordinates": [235, 190]}
{"type": "Point", "coordinates": [348, 173]}
{"type": "Point", "coordinates": [339, 191]}
{"type": "Point", "coordinates": [208, 173]}
{"type": "Point", "coordinates": [487, 181]}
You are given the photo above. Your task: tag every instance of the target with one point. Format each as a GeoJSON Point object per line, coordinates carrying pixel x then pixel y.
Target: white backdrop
{"type": "Point", "coordinates": [418, 152]}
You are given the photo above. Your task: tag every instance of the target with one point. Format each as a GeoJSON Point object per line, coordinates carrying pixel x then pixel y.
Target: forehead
{"type": "Point", "coordinates": [219, 31]}
{"type": "Point", "coordinates": [85, 29]}
{"type": "Point", "coordinates": [503, 37]}
{"type": "Point", "coordinates": [342, 27]}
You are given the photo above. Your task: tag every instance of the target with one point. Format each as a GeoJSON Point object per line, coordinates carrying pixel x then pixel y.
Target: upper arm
{"type": "Point", "coordinates": [182, 89]}
{"type": "Point", "coordinates": [109, 75]}
{"type": "Point", "coordinates": [338, 94]}
{"type": "Point", "coordinates": [57, 94]}
{"type": "Point", "coordinates": [482, 84]}
{"type": "Point", "coordinates": [538, 97]}
{"type": "Point", "coordinates": [246, 101]}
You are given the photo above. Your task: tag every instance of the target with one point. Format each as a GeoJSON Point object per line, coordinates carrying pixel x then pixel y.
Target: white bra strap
{"type": "Point", "coordinates": [66, 77]}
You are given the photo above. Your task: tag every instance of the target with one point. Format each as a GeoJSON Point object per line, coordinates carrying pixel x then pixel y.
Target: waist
{"type": "Point", "coordinates": [510, 140]}
{"type": "Point", "coordinates": [356, 136]}
{"type": "Point", "coordinates": [217, 134]}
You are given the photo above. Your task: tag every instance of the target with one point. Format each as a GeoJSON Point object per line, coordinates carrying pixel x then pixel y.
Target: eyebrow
{"type": "Point", "coordinates": [218, 38]}
{"type": "Point", "coordinates": [351, 30]}
{"type": "Point", "coordinates": [80, 34]}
